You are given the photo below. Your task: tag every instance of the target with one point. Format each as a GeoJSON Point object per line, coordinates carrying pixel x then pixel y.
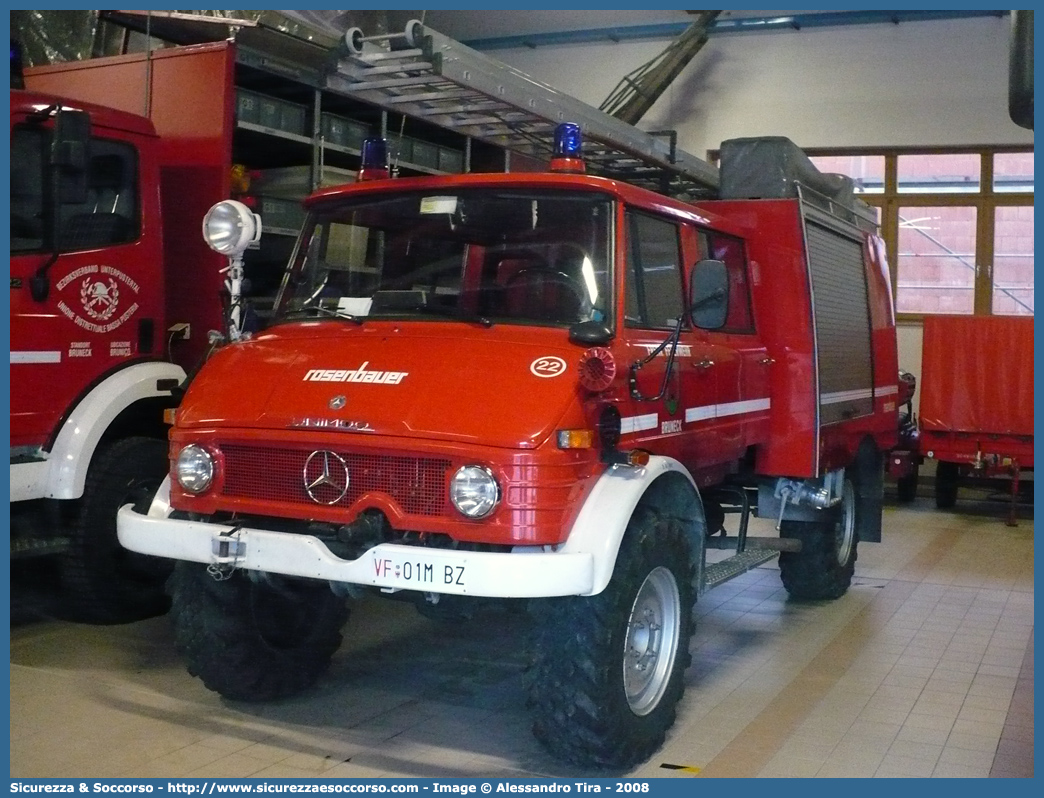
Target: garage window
{"type": "Point", "coordinates": [958, 225]}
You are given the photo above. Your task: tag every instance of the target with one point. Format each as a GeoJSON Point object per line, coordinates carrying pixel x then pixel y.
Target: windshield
{"type": "Point", "coordinates": [107, 215]}
{"type": "Point", "coordinates": [487, 255]}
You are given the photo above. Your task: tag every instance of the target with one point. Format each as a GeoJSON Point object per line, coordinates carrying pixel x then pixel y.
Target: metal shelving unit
{"type": "Point", "coordinates": [435, 81]}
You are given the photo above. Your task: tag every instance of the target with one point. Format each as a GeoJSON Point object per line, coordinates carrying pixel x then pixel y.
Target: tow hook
{"type": "Point", "coordinates": [820, 496]}
{"type": "Point", "coordinates": [226, 551]}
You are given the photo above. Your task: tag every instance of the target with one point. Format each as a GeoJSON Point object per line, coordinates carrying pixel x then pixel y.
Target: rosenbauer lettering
{"type": "Point", "coordinates": [358, 375]}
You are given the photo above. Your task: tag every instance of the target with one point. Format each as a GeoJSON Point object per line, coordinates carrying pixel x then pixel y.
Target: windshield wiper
{"type": "Point", "coordinates": [320, 311]}
{"type": "Point", "coordinates": [449, 313]}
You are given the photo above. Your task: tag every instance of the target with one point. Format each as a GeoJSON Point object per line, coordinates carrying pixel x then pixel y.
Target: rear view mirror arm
{"type": "Point", "coordinates": [672, 341]}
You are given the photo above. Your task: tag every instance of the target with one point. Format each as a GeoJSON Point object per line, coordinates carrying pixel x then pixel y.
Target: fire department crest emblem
{"type": "Point", "coordinates": [100, 298]}
{"type": "Point", "coordinates": [108, 297]}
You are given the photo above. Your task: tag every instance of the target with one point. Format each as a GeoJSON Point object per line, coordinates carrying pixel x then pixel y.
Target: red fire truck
{"type": "Point", "coordinates": [548, 387]}
{"type": "Point", "coordinates": [100, 333]}
{"type": "Point", "coordinates": [113, 296]}
{"type": "Point", "coordinates": [88, 384]}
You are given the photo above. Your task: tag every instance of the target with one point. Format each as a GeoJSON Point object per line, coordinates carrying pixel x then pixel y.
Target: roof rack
{"type": "Point", "coordinates": [421, 73]}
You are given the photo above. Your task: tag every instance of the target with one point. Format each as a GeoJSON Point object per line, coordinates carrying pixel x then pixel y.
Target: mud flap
{"type": "Point", "coordinates": [867, 475]}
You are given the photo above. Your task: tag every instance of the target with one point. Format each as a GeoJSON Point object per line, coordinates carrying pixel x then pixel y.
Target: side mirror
{"type": "Point", "coordinates": [590, 333]}
{"type": "Point", "coordinates": [69, 155]}
{"type": "Point", "coordinates": [709, 294]}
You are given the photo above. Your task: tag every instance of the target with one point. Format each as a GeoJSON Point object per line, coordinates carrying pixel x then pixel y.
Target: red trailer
{"type": "Point", "coordinates": [977, 401]}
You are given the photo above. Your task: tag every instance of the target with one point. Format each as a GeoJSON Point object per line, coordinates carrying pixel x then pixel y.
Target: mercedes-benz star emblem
{"type": "Point", "coordinates": [338, 402]}
{"type": "Point", "coordinates": [325, 477]}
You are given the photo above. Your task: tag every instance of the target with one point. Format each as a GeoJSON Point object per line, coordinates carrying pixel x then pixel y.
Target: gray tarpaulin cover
{"type": "Point", "coordinates": [770, 167]}
{"type": "Point", "coordinates": [774, 167]}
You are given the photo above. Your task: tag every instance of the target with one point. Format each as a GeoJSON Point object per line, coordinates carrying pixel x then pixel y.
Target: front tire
{"type": "Point", "coordinates": [824, 567]}
{"type": "Point", "coordinates": [252, 641]}
{"type": "Point", "coordinates": [608, 669]}
{"type": "Point", "coordinates": [104, 582]}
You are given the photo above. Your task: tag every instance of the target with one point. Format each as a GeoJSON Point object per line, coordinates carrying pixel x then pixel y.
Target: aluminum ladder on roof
{"type": "Point", "coordinates": [423, 74]}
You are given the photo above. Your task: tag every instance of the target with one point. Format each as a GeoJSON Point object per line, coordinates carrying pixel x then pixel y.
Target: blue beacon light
{"type": "Point", "coordinates": [568, 144]}
{"type": "Point", "coordinates": [374, 164]}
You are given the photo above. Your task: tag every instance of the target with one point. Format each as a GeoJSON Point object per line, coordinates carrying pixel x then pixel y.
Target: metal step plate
{"type": "Point", "coordinates": [719, 572]}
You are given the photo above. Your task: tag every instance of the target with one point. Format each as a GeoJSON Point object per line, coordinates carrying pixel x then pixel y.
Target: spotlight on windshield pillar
{"type": "Point", "coordinates": [568, 143]}
{"type": "Point", "coordinates": [374, 164]}
{"type": "Point", "coordinates": [230, 227]}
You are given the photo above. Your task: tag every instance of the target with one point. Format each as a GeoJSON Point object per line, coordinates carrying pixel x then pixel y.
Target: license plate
{"type": "Point", "coordinates": [421, 571]}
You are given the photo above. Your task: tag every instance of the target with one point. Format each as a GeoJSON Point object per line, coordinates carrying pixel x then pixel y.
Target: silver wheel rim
{"type": "Point", "coordinates": [652, 641]}
{"type": "Point", "coordinates": [844, 532]}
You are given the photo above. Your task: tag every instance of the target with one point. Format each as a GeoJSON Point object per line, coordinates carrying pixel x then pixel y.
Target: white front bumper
{"type": "Point", "coordinates": [526, 573]}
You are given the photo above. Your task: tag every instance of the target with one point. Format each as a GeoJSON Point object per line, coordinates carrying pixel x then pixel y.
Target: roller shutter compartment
{"type": "Point", "coordinates": [842, 320]}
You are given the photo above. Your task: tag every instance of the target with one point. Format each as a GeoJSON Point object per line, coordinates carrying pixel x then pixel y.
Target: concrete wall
{"type": "Point", "coordinates": [912, 84]}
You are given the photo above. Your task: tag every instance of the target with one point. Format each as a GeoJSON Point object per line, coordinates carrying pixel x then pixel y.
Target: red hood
{"type": "Point", "coordinates": [441, 381]}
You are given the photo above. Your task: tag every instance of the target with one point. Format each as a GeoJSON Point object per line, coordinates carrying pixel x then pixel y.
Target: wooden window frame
{"type": "Point", "coordinates": [985, 201]}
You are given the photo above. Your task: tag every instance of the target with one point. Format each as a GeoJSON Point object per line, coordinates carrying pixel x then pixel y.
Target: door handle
{"type": "Point", "coordinates": [704, 364]}
{"type": "Point", "coordinates": [767, 361]}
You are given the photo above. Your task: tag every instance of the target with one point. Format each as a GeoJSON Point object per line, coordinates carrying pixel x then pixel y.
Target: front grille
{"type": "Point", "coordinates": [270, 474]}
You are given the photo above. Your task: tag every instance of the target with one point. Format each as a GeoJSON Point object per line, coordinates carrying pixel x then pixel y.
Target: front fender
{"type": "Point", "coordinates": [603, 520]}
{"type": "Point", "coordinates": [83, 428]}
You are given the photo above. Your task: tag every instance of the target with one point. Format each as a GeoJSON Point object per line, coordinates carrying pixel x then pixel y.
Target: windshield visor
{"type": "Point", "coordinates": [490, 255]}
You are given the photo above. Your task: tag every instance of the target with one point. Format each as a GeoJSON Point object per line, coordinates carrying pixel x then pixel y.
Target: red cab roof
{"type": "Point", "coordinates": [26, 102]}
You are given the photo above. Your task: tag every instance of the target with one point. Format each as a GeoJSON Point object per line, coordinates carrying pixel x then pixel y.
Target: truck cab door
{"type": "Point", "coordinates": [740, 358]}
{"type": "Point", "coordinates": [712, 377]}
{"type": "Point", "coordinates": [80, 278]}
{"type": "Point", "coordinates": [664, 383]}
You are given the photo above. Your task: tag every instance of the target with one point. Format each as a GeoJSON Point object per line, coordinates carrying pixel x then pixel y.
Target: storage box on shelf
{"type": "Point", "coordinates": [450, 160]}
{"type": "Point", "coordinates": [271, 112]}
{"type": "Point", "coordinates": [248, 106]}
{"type": "Point", "coordinates": [280, 215]}
{"type": "Point", "coordinates": [343, 132]}
{"type": "Point", "coordinates": [414, 152]}
{"type": "Point", "coordinates": [400, 149]}
{"type": "Point", "coordinates": [425, 154]}
{"type": "Point", "coordinates": [295, 182]}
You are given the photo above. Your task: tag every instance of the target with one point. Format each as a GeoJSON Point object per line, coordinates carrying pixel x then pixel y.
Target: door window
{"type": "Point", "coordinates": [730, 250]}
{"type": "Point", "coordinates": [653, 282]}
{"type": "Point", "coordinates": [109, 215]}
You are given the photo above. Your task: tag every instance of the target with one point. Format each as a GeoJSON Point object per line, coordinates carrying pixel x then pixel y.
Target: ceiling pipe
{"type": "Point", "coordinates": [667, 30]}
{"type": "Point", "coordinates": [640, 88]}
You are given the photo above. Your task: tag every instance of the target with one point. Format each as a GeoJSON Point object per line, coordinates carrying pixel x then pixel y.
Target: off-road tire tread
{"type": "Point", "coordinates": [814, 573]}
{"type": "Point", "coordinates": [579, 708]}
{"type": "Point", "coordinates": [216, 633]}
{"type": "Point", "coordinates": [98, 588]}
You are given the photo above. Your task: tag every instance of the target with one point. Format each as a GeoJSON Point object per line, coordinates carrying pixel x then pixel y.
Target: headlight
{"type": "Point", "coordinates": [195, 468]}
{"type": "Point", "coordinates": [474, 491]}
{"type": "Point", "coordinates": [230, 226]}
